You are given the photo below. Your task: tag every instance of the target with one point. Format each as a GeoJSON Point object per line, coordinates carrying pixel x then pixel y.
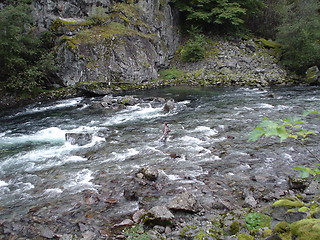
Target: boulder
{"type": "Point", "coordinates": [185, 202]}
{"type": "Point", "coordinates": [80, 139]}
{"type": "Point", "coordinates": [149, 173]}
{"type": "Point", "coordinates": [313, 188]}
{"type": "Point", "coordinates": [136, 217]}
{"type": "Point", "coordinates": [129, 100]}
{"type": "Point", "coordinates": [159, 215]}
{"type": "Point", "coordinates": [169, 106]}
{"type": "Point", "coordinates": [313, 75]}
{"type": "Point", "coordinates": [291, 217]}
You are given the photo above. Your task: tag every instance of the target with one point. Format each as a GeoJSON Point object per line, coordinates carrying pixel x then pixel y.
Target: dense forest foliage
{"type": "Point", "coordinates": [27, 62]}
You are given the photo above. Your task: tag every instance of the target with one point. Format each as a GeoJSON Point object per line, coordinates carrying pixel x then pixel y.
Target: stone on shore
{"type": "Point", "coordinates": [185, 202]}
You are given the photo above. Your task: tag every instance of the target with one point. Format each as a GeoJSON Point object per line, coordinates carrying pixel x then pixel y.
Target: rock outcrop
{"type": "Point", "coordinates": [108, 40]}
{"type": "Point", "coordinates": [243, 62]}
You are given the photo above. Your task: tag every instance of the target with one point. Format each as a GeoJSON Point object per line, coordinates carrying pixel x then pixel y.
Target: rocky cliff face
{"type": "Point", "coordinates": [108, 40]}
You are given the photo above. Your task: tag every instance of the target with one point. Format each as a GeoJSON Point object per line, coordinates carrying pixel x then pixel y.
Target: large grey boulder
{"type": "Point", "coordinates": [185, 202]}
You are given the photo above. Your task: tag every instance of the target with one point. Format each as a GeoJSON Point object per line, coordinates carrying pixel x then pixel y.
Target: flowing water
{"type": "Point", "coordinates": [208, 138]}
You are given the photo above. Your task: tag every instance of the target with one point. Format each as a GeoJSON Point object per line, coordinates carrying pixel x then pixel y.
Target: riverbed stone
{"type": "Point", "coordinates": [136, 217]}
{"type": "Point", "coordinates": [278, 212]}
{"type": "Point", "coordinates": [46, 232]}
{"type": "Point", "coordinates": [185, 202]}
{"type": "Point", "coordinates": [313, 188]}
{"type": "Point", "coordinates": [159, 215]}
{"type": "Point", "coordinates": [124, 223]}
{"type": "Point", "coordinates": [149, 173]}
{"type": "Point", "coordinates": [291, 217]}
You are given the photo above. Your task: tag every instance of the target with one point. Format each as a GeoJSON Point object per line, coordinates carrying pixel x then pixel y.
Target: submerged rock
{"type": "Point", "coordinates": [80, 139]}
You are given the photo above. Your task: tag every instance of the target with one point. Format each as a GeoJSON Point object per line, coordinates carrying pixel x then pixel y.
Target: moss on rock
{"type": "Point", "coordinates": [243, 236]}
{"type": "Point", "coordinates": [290, 202]}
{"type": "Point", "coordinates": [306, 229]}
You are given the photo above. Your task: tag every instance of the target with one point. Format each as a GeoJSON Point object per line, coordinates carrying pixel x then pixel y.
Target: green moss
{"type": "Point", "coordinates": [235, 227]}
{"type": "Point", "coordinates": [306, 229]}
{"type": "Point", "coordinates": [303, 209]}
{"type": "Point", "coordinates": [172, 73]}
{"type": "Point", "coordinates": [129, 14]}
{"type": "Point", "coordinates": [243, 236]}
{"type": "Point", "coordinates": [283, 230]}
{"type": "Point", "coordinates": [266, 233]}
{"type": "Point", "coordinates": [102, 33]}
{"type": "Point", "coordinates": [269, 43]}
{"type": "Point", "coordinates": [290, 202]}
{"type": "Point", "coordinates": [282, 227]}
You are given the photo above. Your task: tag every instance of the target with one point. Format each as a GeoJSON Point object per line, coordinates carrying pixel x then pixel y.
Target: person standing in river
{"type": "Point", "coordinates": [165, 132]}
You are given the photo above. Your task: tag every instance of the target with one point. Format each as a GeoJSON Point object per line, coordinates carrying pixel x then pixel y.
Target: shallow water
{"type": "Point", "coordinates": [209, 130]}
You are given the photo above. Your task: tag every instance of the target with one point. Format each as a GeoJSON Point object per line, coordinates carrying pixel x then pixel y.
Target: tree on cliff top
{"type": "Point", "coordinates": [225, 15]}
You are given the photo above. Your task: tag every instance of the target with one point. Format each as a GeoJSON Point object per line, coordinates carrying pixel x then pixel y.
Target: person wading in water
{"type": "Point", "coordinates": [165, 131]}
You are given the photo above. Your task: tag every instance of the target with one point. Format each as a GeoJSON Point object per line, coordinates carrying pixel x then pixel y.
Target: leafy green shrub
{"type": "Point", "coordinates": [172, 73]}
{"type": "Point", "coordinates": [257, 220]}
{"type": "Point", "coordinates": [136, 232]}
{"type": "Point", "coordinates": [194, 49]}
{"type": "Point", "coordinates": [97, 16]}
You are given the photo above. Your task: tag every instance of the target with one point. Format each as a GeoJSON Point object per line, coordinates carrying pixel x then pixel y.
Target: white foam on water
{"type": "Point", "coordinates": [3, 184]}
{"type": "Point", "coordinates": [264, 106]}
{"type": "Point", "coordinates": [52, 192]}
{"type": "Point", "coordinates": [50, 135]}
{"type": "Point", "coordinates": [38, 159]}
{"type": "Point", "coordinates": [80, 181]}
{"type": "Point", "coordinates": [134, 113]}
{"type": "Point", "coordinates": [5, 133]}
{"type": "Point", "coordinates": [124, 155]}
{"type": "Point", "coordinates": [191, 140]}
{"type": "Point", "coordinates": [23, 187]}
{"type": "Point", "coordinates": [283, 107]}
{"type": "Point", "coordinates": [59, 104]}
{"type": "Point", "coordinates": [244, 109]}
{"type": "Point", "coordinates": [74, 159]}
{"type": "Point", "coordinates": [205, 131]}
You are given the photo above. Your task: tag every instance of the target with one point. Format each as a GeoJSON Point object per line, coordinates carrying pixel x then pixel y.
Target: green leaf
{"type": "Point", "coordinates": [304, 173]}
{"type": "Point", "coordinates": [256, 134]}
{"type": "Point", "coordinates": [308, 112]}
{"type": "Point", "coordinates": [282, 133]}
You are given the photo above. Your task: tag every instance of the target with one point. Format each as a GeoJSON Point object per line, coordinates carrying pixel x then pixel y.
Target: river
{"type": "Point", "coordinates": [207, 143]}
